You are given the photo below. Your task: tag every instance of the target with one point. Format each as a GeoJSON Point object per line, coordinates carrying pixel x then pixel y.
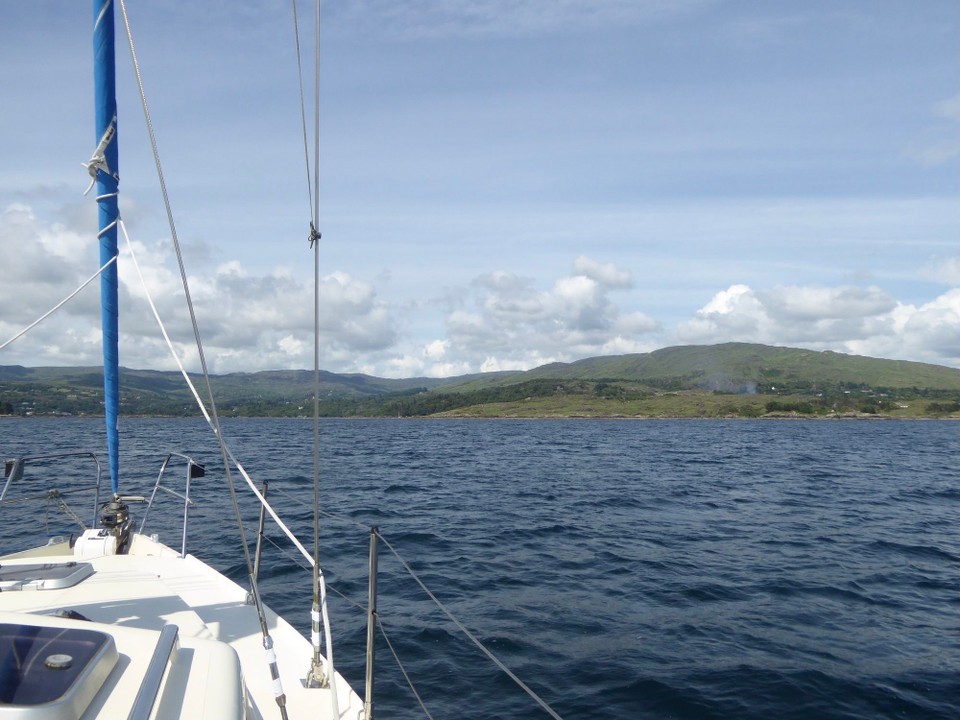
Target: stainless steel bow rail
{"type": "Point", "coordinates": [112, 513]}
{"type": "Point", "coordinates": [13, 473]}
{"type": "Point", "coordinates": [194, 470]}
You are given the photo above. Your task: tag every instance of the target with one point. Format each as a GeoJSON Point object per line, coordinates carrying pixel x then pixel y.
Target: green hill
{"type": "Point", "coordinates": [732, 379]}
{"type": "Point", "coordinates": [80, 390]}
{"type": "Point", "coordinates": [745, 367]}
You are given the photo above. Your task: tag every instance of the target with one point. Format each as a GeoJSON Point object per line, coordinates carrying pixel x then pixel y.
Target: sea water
{"type": "Point", "coordinates": [622, 569]}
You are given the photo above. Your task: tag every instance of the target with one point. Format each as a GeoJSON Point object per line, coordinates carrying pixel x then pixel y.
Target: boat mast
{"type": "Point", "coordinates": [106, 170]}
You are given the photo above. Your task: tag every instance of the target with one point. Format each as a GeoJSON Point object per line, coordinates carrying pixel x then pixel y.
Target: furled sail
{"type": "Point", "coordinates": [105, 167]}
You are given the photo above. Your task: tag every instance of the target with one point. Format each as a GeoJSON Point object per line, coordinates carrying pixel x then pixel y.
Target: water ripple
{"type": "Point", "coordinates": [667, 569]}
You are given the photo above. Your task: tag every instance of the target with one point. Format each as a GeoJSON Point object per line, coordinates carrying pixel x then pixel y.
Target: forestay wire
{"type": "Point", "coordinates": [203, 409]}
{"type": "Point", "coordinates": [303, 111]}
{"type": "Point", "coordinates": [213, 418]}
{"type": "Point", "coordinates": [319, 608]}
{"type": "Point", "coordinates": [286, 530]}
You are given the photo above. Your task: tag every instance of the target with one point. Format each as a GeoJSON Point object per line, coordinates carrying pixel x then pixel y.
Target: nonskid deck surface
{"type": "Point", "coordinates": [134, 596]}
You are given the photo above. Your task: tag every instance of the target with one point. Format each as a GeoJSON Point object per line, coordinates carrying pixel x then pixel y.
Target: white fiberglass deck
{"type": "Point", "coordinates": [133, 597]}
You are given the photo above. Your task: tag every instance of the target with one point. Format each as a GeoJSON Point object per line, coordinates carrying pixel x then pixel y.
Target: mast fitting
{"type": "Point", "coordinates": [98, 161]}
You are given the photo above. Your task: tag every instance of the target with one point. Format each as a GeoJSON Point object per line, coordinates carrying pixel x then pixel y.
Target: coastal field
{"type": "Point", "coordinates": [712, 381]}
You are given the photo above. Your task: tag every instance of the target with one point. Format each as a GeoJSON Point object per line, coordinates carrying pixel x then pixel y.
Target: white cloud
{"type": "Point", "coordinates": [863, 321]}
{"type": "Point", "coordinates": [42, 254]}
{"type": "Point", "coordinates": [247, 321]}
{"type": "Point", "coordinates": [732, 314]}
{"type": "Point", "coordinates": [513, 325]}
{"type": "Point", "coordinates": [813, 303]}
{"type": "Point", "coordinates": [263, 319]}
{"type": "Point", "coordinates": [933, 329]}
{"type": "Point", "coordinates": [292, 346]}
{"type": "Point", "coordinates": [436, 349]}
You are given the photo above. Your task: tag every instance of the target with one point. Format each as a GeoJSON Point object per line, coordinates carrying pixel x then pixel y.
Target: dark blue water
{"type": "Point", "coordinates": [623, 569]}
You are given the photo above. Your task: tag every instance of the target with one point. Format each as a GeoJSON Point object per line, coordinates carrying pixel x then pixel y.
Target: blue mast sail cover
{"type": "Point", "coordinates": [104, 70]}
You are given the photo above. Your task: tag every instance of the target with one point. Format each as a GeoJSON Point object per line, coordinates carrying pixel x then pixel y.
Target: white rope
{"type": "Point", "coordinates": [212, 417]}
{"type": "Point", "coordinates": [59, 305]}
{"type": "Point", "coordinates": [200, 404]}
{"type": "Point", "coordinates": [212, 421]}
{"type": "Point", "coordinates": [328, 634]}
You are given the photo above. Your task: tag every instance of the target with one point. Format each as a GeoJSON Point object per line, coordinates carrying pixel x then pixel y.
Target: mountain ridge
{"type": "Point", "coordinates": [727, 368]}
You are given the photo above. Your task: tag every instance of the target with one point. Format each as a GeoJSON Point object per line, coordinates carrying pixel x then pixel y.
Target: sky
{"type": "Point", "coordinates": [504, 183]}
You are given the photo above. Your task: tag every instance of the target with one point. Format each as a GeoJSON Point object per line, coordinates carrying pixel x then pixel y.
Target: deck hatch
{"type": "Point", "coordinates": [51, 672]}
{"type": "Point", "coordinates": [43, 576]}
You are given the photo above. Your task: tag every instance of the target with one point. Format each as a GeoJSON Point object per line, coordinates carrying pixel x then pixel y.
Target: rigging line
{"type": "Point", "coordinates": [267, 641]}
{"type": "Point", "coordinates": [316, 126]}
{"type": "Point", "coordinates": [318, 610]}
{"type": "Point", "coordinates": [213, 418]}
{"type": "Point", "coordinates": [442, 607]}
{"type": "Point", "coordinates": [403, 670]}
{"type": "Point", "coordinates": [359, 606]}
{"type": "Point", "coordinates": [290, 556]}
{"type": "Point", "coordinates": [196, 396]}
{"type": "Point", "coordinates": [199, 401]}
{"type": "Point", "coordinates": [496, 661]}
{"type": "Point", "coordinates": [60, 304]}
{"type": "Point", "coordinates": [303, 111]}
{"type": "Point", "coordinates": [183, 279]}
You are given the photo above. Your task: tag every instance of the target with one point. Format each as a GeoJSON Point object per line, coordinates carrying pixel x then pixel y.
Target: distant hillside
{"type": "Point", "coordinates": [738, 367]}
{"type": "Point", "coordinates": [728, 380]}
{"type": "Point", "coordinates": [271, 382]}
{"type": "Point", "coordinates": [79, 390]}
{"type": "Point", "coordinates": [732, 379]}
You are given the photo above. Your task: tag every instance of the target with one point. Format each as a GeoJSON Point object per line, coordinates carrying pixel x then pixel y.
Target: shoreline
{"type": "Point", "coordinates": [440, 416]}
